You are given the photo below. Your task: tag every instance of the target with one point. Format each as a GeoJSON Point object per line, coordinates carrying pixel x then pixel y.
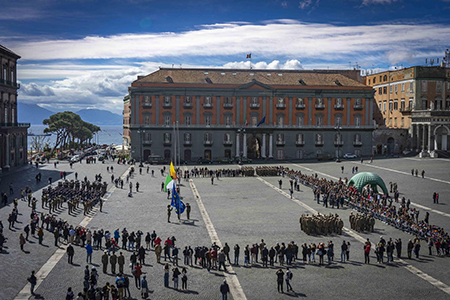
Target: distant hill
{"type": "Point", "coordinates": [32, 113]}
{"type": "Point", "coordinates": [100, 117]}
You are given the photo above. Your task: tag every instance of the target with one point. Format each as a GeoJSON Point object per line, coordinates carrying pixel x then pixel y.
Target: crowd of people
{"type": "Point", "coordinates": [321, 224]}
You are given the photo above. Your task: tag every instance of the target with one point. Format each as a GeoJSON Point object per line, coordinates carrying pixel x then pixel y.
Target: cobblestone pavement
{"type": "Point", "coordinates": [243, 211]}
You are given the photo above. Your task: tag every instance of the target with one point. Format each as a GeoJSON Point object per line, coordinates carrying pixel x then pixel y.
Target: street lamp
{"type": "Point", "coordinates": [339, 140]}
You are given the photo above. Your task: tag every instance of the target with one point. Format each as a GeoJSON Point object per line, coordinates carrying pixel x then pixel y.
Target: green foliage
{"type": "Point", "coordinates": [70, 129]}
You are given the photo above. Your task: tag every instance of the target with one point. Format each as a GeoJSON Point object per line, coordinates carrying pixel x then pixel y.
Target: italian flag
{"type": "Point", "coordinates": [169, 184]}
{"type": "Point", "coordinates": [249, 56]}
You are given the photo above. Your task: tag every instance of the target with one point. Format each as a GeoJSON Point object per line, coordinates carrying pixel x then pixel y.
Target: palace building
{"type": "Point", "coordinates": [256, 114]}
{"type": "Point", "coordinates": [416, 99]}
{"type": "Point", "coordinates": [13, 135]}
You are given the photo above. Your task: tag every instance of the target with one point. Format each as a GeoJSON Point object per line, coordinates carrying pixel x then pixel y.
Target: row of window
{"type": "Point", "coordinates": [208, 138]}
{"type": "Point", "coordinates": [254, 103]}
{"type": "Point", "coordinates": [438, 104]}
{"type": "Point", "coordinates": [394, 88]}
{"type": "Point", "coordinates": [254, 119]}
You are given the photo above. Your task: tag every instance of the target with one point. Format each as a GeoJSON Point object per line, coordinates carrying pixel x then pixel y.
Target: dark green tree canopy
{"type": "Point", "coordinates": [68, 127]}
{"type": "Point", "coordinates": [362, 179]}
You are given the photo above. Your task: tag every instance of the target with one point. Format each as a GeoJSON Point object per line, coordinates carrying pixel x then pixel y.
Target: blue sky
{"type": "Point", "coordinates": [84, 54]}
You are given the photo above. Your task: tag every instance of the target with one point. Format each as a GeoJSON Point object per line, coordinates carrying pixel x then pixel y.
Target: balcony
{"type": "Point", "coordinates": [147, 105]}
{"type": "Point", "coordinates": [15, 125]}
{"type": "Point", "coordinates": [281, 105]}
{"type": "Point", "coordinates": [339, 107]}
{"type": "Point", "coordinates": [406, 110]}
{"type": "Point", "coordinates": [187, 104]}
{"type": "Point", "coordinates": [319, 143]}
{"type": "Point", "coordinates": [254, 105]}
{"type": "Point", "coordinates": [187, 143]}
{"type": "Point", "coordinates": [207, 143]}
{"type": "Point", "coordinates": [6, 82]}
{"type": "Point", "coordinates": [358, 107]}
{"type": "Point", "coordinates": [147, 142]}
{"type": "Point", "coordinates": [207, 105]}
{"type": "Point", "coordinates": [227, 143]}
{"type": "Point", "coordinates": [167, 105]}
{"type": "Point", "coordinates": [338, 143]}
{"type": "Point", "coordinates": [357, 143]}
{"type": "Point", "coordinates": [299, 143]}
{"type": "Point", "coordinates": [167, 143]}
{"type": "Point", "coordinates": [228, 105]}
{"type": "Point", "coordinates": [300, 106]}
{"type": "Point", "coordinates": [320, 106]}
{"type": "Point", "coordinates": [280, 143]}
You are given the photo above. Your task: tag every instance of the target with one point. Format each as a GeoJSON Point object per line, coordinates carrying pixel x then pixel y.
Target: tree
{"type": "Point", "coordinates": [69, 126]}
{"type": "Point", "coordinates": [38, 142]}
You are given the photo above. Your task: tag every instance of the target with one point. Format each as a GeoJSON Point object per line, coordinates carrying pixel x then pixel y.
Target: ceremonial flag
{"type": "Point", "coordinates": [262, 121]}
{"type": "Point", "coordinates": [169, 183]}
{"type": "Point", "coordinates": [249, 56]}
{"type": "Point", "coordinates": [246, 122]}
{"type": "Point", "coordinates": [177, 203]}
{"type": "Point", "coordinates": [172, 172]}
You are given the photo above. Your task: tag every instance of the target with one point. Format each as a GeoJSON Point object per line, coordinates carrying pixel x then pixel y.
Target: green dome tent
{"type": "Point", "coordinates": [360, 180]}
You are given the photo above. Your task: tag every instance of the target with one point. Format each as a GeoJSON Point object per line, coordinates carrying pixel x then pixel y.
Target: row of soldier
{"type": "Point", "coordinates": [267, 171]}
{"type": "Point", "coordinates": [321, 224]}
{"type": "Point", "coordinates": [362, 222]}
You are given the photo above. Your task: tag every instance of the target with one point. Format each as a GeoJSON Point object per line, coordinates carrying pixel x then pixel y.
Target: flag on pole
{"type": "Point", "coordinates": [169, 183]}
{"type": "Point", "coordinates": [262, 121]}
{"type": "Point", "coordinates": [246, 122]}
{"type": "Point", "coordinates": [177, 203]}
{"type": "Point", "coordinates": [172, 172]}
{"type": "Point", "coordinates": [249, 56]}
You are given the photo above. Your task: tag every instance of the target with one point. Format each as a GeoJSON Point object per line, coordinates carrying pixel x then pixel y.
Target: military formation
{"type": "Point", "coordinates": [248, 171]}
{"type": "Point", "coordinates": [321, 224]}
{"type": "Point", "coordinates": [74, 192]}
{"type": "Point", "coordinates": [362, 222]}
{"type": "Point", "coordinates": [267, 171]}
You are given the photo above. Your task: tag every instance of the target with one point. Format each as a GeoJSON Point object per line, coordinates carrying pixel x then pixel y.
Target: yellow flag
{"type": "Point", "coordinates": [172, 172]}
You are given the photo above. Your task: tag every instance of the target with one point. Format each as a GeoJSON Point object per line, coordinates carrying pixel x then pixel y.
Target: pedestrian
{"type": "Point", "coordinates": [40, 234]}
{"type": "Point", "coordinates": [417, 249]}
{"type": "Point", "coordinates": [221, 259]}
{"type": "Point", "coordinates": [22, 241]}
{"type": "Point", "coordinates": [423, 173]}
{"type": "Point", "coordinates": [188, 211]}
{"type": "Point", "coordinates": [144, 285]}
{"type": "Point", "coordinates": [184, 279]}
{"type": "Point", "coordinates": [175, 274]}
{"type": "Point", "coordinates": [236, 254]}
{"type": "Point", "coordinates": [288, 277]}
{"type": "Point", "coordinates": [32, 280]}
{"type": "Point", "coordinates": [113, 262]}
{"type": "Point", "coordinates": [280, 279]}
{"type": "Point", "coordinates": [137, 272]}
{"type": "Point", "coordinates": [69, 294]}
{"type": "Point", "coordinates": [342, 169]}
{"type": "Point", "coordinates": [166, 275]}
{"type": "Point", "coordinates": [410, 248]}
{"type": "Point", "coordinates": [343, 251]}
{"type": "Point", "coordinates": [169, 211]}
{"type": "Point", "coordinates": [367, 247]}
{"type": "Point", "coordinates": [120, 283]}
{"type": "Point", "coordinates": [224, 289]}
{"type": "Point", "coordinates": [89, 251]}
{"type": "Point", "coordinates": [105, 260]}
{"type": "Point", "coordinates": [126, 287]}
{"type": "Point", "coordinates": [70, 253]}
{"type": "Point", "coordinates": [121, 262]}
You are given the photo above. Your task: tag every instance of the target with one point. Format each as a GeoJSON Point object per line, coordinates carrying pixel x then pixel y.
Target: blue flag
{"type": "Point", "coordinates": [262, 121]}
{"type": "Point", "coordinates": [177, 203]}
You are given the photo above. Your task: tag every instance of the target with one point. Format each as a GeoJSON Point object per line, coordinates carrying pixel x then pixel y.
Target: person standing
{"type": "Point", "coordinates": [236, 254]}
{"type": "Point", "coordinates": [89, 251]}
{"type": "Point", "coordinates": [121, 262]}
{"type": "Point", "coordinates": [113, 262]}
{"type": "Point", "coordinates": [221, 259]}
{"type": "Point", "coordinates": [166, 275]}
{"type": "Point", "coordinates": [188, 211]}
{"type": "Point", "coordinates": [120, 283]}
{"type": "Point", "coordinates": [158, 250]}
{"type": "Point", "coordinates": [367, 247]}
{"type": "Point", "coordinates": [137, 272]}
{"type": "Point", "coordinates": [175, 275]}
{"type": "Point", "coordinates": [343, 251]}
{"type": "Point", "coordinates": [280, 279]}
{"type": "Point", "coordinates": [184, 279]}
{"type": "Point", "coordinates": [288, 276]}
{"type": "Point", "coordinates": [144, 287]}
{"type": "Point", "coordinates": [22, 241]}
{"type": "Point", "coordinates": [105, 260]}
{"type": "Point", "coordinates": [169, 211]}
{"type": "Point", "coordinates": [224, 289]}
{"type": "Point", "coordinates": [398, 246]}
{"type": "Point", "coordinates": [410, 248]}
{"type": "Point", "coordinates": [70, 253]}
{"type": "Point", "coordinates": [126, 287]}
{"type": "Point", "coordinates": [40, 234]}
{"type": "Point", "coordinates": [33, 281]}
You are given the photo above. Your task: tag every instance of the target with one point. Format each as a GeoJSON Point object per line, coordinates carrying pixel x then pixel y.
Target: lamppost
{"type": "Point", "coordinates": [241, 151]}
{"type": "Point", "coordinates": [338, 142]}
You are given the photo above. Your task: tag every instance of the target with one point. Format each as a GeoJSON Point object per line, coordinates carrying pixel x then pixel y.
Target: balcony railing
{"type": "Point", "coordinates": [320, 106]}
{"type": "Point", "coordinates": [147, 142]}
{"type": "Point", "coordinates": [338, 143]}
{"type": "Point", "coordinates": [339, 106]}
{"type": "Point", "coordinates": [167, 143]}
{"type": "Point", "coordinates": [300, 106]}
{"type": "Point", "coordinates": [167, 104]}
{"type": "Point", "coordinates": [14, 124]}
{"type": "Point", "coordinates": [254, 105]}
{"type": "Point", "coordinates": [406, 110]}
{"type": "Point", "coordinates": [227, 143]}
{"type": "Point", "coordinates": [187, 143]}
{"type": "Point", "coordinates": [281, 143]}
{"type": "Point", "coordinates": [358, 106]}
{"type": "Point", "coordinates": [147, 104]}
{"type": "Point", "coordinates": [228, 105]}
{"type": "Point", "coordinates": [357, 143]}
{"type": "Point", "coordinates": [207, 143]}
{"type": "Point", "coordinates": [207, 105]}
{"type": "Point", "coordinates": [281, 105]}
{"type": "Point", "coordinates": [15, 84]}
{"type": "Point", "coordinates": [319, 143]}
{"type": "Point", "coordinates": [299, 143]}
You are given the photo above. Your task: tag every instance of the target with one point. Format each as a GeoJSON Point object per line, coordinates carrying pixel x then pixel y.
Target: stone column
{"type": "Point", "coordinates": [237, 144]}
{"type": "Point", "coordinates": [271, 145]}
{"type": "Point", "coordinates": [244, 144]}
{"type": "Point", "coordinates": [8, 150]}
{"type": "Point", "coordinates": [263, 148]}
{"type": "Point", "coordinates": [418, 137]}
{"type": "Point", "coordinates": [429, 138]}
{"type": "Point", "coordinates": [424, 141]}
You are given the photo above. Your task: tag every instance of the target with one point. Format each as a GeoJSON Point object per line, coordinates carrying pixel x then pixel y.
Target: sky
{"type": "Point", "coordinates": [79, 54]}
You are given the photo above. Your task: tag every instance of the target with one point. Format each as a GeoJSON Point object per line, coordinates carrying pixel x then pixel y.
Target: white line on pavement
{"type": "Point", "coordinates": [235, 287]}
{"type": "Point", "coordinates": [439, 284]}
{"type": "Point", "coordinates": [25, 293]}
{"type": "Point", "coordinates": [413, 204]}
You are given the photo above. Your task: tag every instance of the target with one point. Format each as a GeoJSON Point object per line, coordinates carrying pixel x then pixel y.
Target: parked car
{"type": "Point", "coordinates": [350, 155]}
{"type": "Point", "coordinates": [225, 160]}
{"type": "Point", "coordinates": [204, 161]}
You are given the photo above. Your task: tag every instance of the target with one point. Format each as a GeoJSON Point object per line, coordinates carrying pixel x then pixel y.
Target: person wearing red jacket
{"type": "Point", "coordinates": [367, 247]}
{"type": "Point", "coordinates": [137, 272]}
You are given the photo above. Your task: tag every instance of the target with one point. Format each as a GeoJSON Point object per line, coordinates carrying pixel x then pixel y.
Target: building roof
{"type": "Point", "coordinates": [311, 78]}
{"type": "Point", "coordinates": [9, 52]}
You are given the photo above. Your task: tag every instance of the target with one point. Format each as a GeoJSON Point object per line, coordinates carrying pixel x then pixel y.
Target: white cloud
{"type": "Point", "coordinates": [369, 2]}
{"type": "Point", "coordinates": [274, 65]}
{"type": "Point", "coordinates": [304, 4]}
{"type": "Point", "coordinates": [33, 89]}
{"type": "Point", "coordinates": [284, 4]}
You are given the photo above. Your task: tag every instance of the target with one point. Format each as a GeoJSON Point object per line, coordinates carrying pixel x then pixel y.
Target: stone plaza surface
{"type": "Point", "coordinates": [243, 211]}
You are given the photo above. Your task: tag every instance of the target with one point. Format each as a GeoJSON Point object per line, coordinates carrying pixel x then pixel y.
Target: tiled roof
{"type": "Point", "coordinates": [6, 50]}
{"type": "Point", "coordinates": [325, 78]}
